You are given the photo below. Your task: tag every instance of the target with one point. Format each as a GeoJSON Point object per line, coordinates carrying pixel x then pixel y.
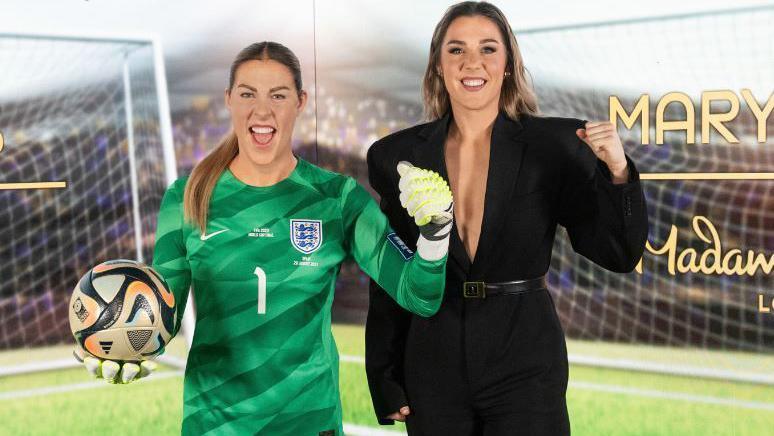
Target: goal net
{"type": "Point", "coordinates": [82, 111]}
{"type": "Point", "coordinates": [575, 70]}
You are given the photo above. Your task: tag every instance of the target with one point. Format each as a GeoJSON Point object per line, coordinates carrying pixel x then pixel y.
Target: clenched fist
{"type": "Point", "coordinates": [603, 139]}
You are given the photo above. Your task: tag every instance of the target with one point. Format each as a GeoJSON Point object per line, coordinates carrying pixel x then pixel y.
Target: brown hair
{"type": "Point", "coordinates": [198, 189]}
{"type": "Point", "coordinates": [516, 97]}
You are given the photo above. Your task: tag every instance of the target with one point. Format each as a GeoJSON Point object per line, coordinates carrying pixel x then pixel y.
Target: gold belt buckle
{"type": "Point", "coordinates": [474, 290]}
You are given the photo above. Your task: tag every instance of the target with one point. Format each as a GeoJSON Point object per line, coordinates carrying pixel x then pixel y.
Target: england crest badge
{"type": "Point", "coordinates": [306, 235]}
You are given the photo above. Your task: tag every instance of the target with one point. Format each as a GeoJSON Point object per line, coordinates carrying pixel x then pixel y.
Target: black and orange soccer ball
{"type": "Point", "coordinates": [122, 310]}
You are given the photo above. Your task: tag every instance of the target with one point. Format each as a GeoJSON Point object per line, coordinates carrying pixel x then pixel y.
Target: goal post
{"type": "Point", "coordinates": [92, 112]}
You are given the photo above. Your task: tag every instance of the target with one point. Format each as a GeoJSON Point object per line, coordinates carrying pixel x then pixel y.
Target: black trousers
{"type": "Point", "coordinates": [493, 366]}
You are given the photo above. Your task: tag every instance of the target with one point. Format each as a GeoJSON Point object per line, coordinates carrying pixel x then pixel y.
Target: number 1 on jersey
{"type": "Point", "coordinates": [261, 290]}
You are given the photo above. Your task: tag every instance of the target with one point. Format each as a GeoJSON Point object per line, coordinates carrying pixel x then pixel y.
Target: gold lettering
{"type": "Point", "coordinates": [689, 260]}
{"type": "Point", "coordinates": [716, 120]}
{"type": "Point", "coordinates": [715, 251]}
{"type": "Point", "coordinates": [738, 269]}
{"type": "Point", "coordinates": [691, 265]}
{"type": "Point", "coordinates": [687, 124]}
{"type": "Point", "coordinates": [759, 261]}
{"type": "Point", "coordinates": [760, 114]}
{"type": "Point", "coordinates": [641, 110]}
{"type": "Point", "coordinates": [761, 307]}
{"type": "Point", "coordinates": [670, 247]}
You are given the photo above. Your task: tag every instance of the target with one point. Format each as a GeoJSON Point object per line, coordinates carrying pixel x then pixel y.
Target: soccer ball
{"type": "Point", "coordinates": [122, 310]}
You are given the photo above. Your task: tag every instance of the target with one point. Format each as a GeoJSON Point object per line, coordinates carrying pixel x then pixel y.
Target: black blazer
{"type": "Point", "coordinates": [540, 175]}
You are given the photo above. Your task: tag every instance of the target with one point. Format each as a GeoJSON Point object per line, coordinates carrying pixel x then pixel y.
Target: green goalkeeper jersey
{"type": "Point", "coordinates": [263, 358]}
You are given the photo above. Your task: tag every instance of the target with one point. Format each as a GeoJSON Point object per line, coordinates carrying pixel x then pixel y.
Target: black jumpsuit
{"type": "Point", "coordinates": [498, 365]}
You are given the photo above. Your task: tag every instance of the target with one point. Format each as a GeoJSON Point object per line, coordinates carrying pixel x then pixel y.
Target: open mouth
{"type": "Point", "coordinates": [262, 135]}
{"type": "Point", "coordinates": [473, 83]}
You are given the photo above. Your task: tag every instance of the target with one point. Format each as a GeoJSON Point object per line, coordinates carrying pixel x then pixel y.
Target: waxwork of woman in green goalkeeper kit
{"type": "Point", "coordinates": [260, 234]}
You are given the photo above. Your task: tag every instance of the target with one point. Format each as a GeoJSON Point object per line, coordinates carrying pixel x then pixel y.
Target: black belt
{"type": "Point", "coordinates": [483, 289]}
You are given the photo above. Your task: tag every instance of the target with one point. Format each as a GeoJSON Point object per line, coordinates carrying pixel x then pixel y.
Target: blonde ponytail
{"type": "Point", "coordinates": [201, 183]}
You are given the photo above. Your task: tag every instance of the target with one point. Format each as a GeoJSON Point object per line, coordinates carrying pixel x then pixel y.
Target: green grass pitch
{"type": "Point", "coordinates": [701, 407]}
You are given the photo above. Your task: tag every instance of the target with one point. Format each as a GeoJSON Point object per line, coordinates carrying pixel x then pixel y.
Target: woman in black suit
{"type": "Point", "coordinates": [493, 360]}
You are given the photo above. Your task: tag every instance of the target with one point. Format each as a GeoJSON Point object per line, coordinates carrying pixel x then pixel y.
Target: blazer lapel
{"type": "Point", "coordinates": [505, 157]}
{"type": "Point", "coordinates": [429, 154]}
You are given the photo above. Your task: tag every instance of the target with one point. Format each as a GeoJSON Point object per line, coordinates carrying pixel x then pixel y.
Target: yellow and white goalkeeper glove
{"type": "Point", "coordinates": [427, 198]}
{"type": "Point", "coordinates": [112, 371]}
